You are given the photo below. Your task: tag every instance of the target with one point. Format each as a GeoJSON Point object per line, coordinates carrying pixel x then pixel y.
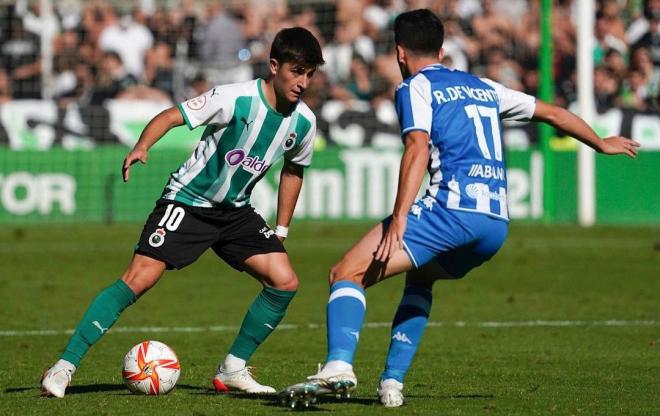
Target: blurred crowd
{"type": "Point", "coordinates": [148, 49]}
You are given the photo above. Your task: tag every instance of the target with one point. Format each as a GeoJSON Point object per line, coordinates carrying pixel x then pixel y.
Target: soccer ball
{"type": "Point", "coordinates": [151, 367]}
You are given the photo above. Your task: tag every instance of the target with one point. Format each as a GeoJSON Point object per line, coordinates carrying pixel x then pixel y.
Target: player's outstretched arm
{"type": "Point", "coordinates": [155, 129]}
{"type": "Point", "coordinates": [291, 180]}
{"type": "Point", "coordinates": [413, 165]}
{"type": "Point", "coordinates": [578, 128]}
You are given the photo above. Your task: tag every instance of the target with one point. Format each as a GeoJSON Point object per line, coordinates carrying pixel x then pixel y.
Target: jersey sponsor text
{"type": "Point", "coordinates": [486, 171]}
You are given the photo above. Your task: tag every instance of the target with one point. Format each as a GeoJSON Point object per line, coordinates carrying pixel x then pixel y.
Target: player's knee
{"type": "Point", "coordinates": [288, 283]}
{"type": "Point", "coordinates": [141, 277]}
{"type": "Point", "coordinates": [332, 274]}
{"type": "Point", "coordinates": [339, 273]}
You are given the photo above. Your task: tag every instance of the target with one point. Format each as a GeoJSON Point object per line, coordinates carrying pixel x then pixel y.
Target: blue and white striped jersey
{"type": "Point", "coordinates": [462, 113]}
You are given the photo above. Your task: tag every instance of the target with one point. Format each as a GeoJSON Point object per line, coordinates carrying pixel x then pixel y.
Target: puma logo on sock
{"type": "Point", "coordinates": [98, 325]}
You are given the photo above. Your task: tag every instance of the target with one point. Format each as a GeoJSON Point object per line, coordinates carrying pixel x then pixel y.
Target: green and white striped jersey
{"type": "Point", "coordinates": [244, 136]}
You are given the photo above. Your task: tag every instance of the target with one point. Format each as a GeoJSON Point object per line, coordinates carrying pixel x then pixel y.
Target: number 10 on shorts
{"type": "Point", "coordinates": [172, 218]}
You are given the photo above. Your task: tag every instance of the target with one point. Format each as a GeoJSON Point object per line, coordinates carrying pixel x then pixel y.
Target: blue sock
{"type": "Point", "coordinates": [345, 315]}
{"type": "Point", "coordinates": [407, 330]}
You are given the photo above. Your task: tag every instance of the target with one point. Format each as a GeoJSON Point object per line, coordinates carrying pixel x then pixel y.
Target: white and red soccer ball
{"type": "Point", "coordinates": [151, 367]}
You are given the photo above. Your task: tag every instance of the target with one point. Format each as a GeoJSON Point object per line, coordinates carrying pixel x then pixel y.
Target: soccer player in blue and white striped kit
{"type": "Point", "coordinates": [450, 124]}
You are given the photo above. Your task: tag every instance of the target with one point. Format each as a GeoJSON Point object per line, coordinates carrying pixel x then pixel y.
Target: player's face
{"type": "Point", "coordinates": [291, 79]}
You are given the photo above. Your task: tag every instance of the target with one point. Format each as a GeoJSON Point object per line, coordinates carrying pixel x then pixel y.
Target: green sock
{"type": "Point", "coordinates": [101, 314]}
{"type": "Point", "coordinates": [262, 318]}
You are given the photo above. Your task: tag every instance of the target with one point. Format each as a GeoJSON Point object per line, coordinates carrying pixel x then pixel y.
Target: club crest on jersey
{"type": "Point", "coordinates": [251, 164]}
{"type": "Point", "coordinates": [480, 190]}
{"type": "Point", "coordinates": [157, 238]}
{"type": "Point", "coordinates": [290, 141]}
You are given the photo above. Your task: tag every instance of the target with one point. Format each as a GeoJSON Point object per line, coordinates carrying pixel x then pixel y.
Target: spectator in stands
{"type": "Point", "coordinates": [611, 13]}
{"type": "Point", "coordinates": [349, 41]}
{"type": "Point", "coordinates": [162, 26]}
{"type": "Point", "coordinates": [606, 88]}
{"type": "Point", "coordinates": [112, 79]}
{"type": "Point", "coordinates": [20, 56]}
{"type": "Point", "coordinates": [647, 31]}
{"type": "Point", "coordinates": [85, 82]}
{"type": "Point", "coordinates": [129, 38]}
{"type": "Point", "coordinates": [358, 86]}
{"type": "Point", "coordinates": [187, 31]}
{"type": "Point", "coordinates": [198, 86]}
{"type": "Point", "coordinates": [5, 87]}
{"type": "Point", "coordinates": [616, 62]}
{"type": "Point", "coordinates": [634, 92]}
{"type": "Point", "coordinates": [36, 22]}
{"type": "Point", "coordinates": [158, 71]}
{"type": "Point", "coordinates": [223, 50]}
{"type": "Point", "coordinates": [649, 84]}
{"type": "Point", "coordinates": [66, 57]}
{"type": "Point", "coordinates": [492, 28]}
{"type": "Point", "coordinates": [606, 39]}
{"type": "Point", "coordinates": [158, 46]}
{"type": "Point", "coordinates": [504, 70]}
{"type": "Point", "coordinates": [458, 47]}
{"type": "Point", "coordinates": [95, 18]}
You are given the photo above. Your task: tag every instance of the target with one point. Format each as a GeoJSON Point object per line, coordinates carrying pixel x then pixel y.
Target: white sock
{"type": "Point", "coordinates": [337, 366]}
{"type": "Point", "coordinates": [64, 364]}
{"type": "Point", "coordinates": [233, 363]}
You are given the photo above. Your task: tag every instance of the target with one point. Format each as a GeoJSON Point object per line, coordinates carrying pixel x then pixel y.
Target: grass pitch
{"type": "Point", "coordinates": [562, 321]}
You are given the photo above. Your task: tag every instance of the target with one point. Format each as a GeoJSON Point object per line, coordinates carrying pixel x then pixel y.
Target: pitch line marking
{"type": "Point", "coordinates": [432, 324]}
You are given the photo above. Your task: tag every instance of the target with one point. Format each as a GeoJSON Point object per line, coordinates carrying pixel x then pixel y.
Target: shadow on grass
{"type": "Point", "coordinates": [272, 400]}
{"type": "Point", "coordinates": [97, 388]}
{"type": "Point", "coordinates": [465, 396]}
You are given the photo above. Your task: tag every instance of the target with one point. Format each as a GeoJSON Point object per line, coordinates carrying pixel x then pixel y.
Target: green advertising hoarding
{"type": "Point", "coordinates": [59, 186]}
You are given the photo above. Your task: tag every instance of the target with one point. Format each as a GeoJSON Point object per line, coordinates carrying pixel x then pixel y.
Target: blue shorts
{"type": "Point", "coordinates": [459, 241]}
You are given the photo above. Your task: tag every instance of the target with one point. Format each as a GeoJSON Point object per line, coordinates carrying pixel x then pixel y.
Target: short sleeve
{"type": "Point", "coordinates": [514, 105]}
{"type": "Point", "coordinates": [302, 154]}
{"type": "Point", "coordinates": [413, 104]}
{"type": "Point", "coordinates": [212, 107]}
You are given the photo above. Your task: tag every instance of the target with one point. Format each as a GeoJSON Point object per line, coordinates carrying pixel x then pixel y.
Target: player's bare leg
{"type": "Point", "coordinates": [142, 273]}
{"type": "Point", "coordinates": [358, 264]}
{"type": "Point", "coordinates": [346, 306]}
{"type": "Point", "coordinates": [280, 283]}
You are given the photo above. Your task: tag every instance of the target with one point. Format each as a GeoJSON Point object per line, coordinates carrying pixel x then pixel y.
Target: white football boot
{"type": "Point", "coordinates": [57, 378]}
{"type": "Point", "coordinates": [240, 380]}
{"type": "Point", "coordinates": [390, 393]}
{"type": "Point", "coordinates": [337, 376]}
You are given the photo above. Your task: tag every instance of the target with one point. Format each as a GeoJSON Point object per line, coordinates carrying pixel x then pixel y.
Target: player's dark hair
{"type": "Point", "coordinates": [419, 31]}
{"type": "Point", "coordinates": [297, 45]}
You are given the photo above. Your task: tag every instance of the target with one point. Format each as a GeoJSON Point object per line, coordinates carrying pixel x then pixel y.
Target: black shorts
{"type": "Point", "coordinates": [177, 234]}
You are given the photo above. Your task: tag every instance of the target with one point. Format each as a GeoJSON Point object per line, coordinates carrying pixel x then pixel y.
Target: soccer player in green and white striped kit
{"type": "Point", "coordinates": [206, 204]}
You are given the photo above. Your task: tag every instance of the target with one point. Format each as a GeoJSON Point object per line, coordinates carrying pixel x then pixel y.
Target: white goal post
{"type": "Point", "coordinates": [585, 87]}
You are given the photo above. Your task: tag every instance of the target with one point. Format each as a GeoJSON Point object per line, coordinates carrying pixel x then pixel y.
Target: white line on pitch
{"type": "Point", "coordinates": [432, 324]}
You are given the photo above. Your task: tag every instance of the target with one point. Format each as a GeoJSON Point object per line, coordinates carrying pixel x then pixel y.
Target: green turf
{"type": "Point", "coordinates": [49, 274]}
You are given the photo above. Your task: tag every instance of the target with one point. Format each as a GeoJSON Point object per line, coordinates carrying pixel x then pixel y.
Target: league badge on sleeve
{"type": "Point", "coordinates": [196, 103]}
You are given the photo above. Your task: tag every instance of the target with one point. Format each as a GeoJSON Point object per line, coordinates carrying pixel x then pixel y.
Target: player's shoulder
{"type": "Point", "coordinates": [411, 80]}
{"type": "Point", "coordinates": [492, 84]}
{"type": "Point", "coordinates": [428, 75]}
{"type": "Point", "coordinates": [304, 110]}
{"type": "Point", "coordinates": [238, 89]}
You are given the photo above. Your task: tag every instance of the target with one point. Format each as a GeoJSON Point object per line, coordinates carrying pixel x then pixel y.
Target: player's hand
{"type": "Point", "coordinates": [132, 157]}
{"type": "Point", "coordinates": [615, 145]}
{"type": "Point", "coordinates": [392, 239]}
